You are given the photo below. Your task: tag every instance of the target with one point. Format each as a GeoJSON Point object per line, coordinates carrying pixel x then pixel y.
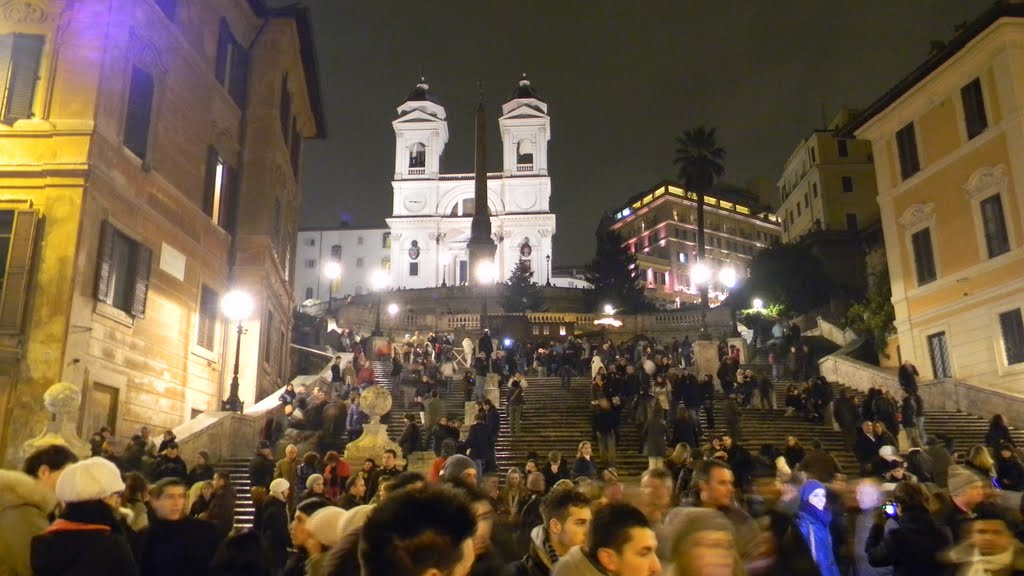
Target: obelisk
{"type": "Point", "coordinates": [481, 245]}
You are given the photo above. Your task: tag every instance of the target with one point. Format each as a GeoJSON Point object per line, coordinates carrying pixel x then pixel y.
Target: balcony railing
{"type": "Point", "coordinates": [417, 171]}
{"type": "Point", "coordinates": [524, 167]}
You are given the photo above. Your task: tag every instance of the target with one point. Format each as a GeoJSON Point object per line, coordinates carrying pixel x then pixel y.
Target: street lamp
{"type": "Point", "coordinates": [379, 280]}
{"type": "Point", "coordinates": [727, 276]}
{"type": "Point", "coordinates": [237, 306]}
{"type": "Point", "coordinates": [701, 275]}
{"type": "Point", "coordinates": [609, 309]}
{"type": "Point", "coordinates": [548, 258]}
{"type": "Point", "coordinates": [392, 309]}
{"type": "Point", "coordinates": [758, 304]}
{"type": "Point", "coordinates": [332, 271]}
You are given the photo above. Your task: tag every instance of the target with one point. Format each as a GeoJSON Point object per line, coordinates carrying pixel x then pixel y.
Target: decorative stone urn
{"type": "Point", "coordinates": [62, 400]}
{"type": "Point", "coordinates": [375, 401]}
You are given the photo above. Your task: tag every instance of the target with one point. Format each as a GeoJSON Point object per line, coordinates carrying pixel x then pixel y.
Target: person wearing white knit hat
{"type": "Point", "coordinates": [275, 524]}
{"type": "Point", "coordinates": [323, 534]}
{"type": "Point", "coordinates": [300, 534]}
{"type": "Point", "coordinates": [88, 538]}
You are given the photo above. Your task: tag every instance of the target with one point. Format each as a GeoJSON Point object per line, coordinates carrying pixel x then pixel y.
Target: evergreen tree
{"type": "Point", "coordinates": [520, 292]}
{"type": "Point", "coordinates": [614, 274]}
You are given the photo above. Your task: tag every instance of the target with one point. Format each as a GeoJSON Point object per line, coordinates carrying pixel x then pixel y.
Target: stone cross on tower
{"type": "Point", "coordinates": [481, 245]}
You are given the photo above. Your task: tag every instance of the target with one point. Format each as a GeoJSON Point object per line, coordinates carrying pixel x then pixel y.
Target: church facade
{"type": "Point", "coordinates": [432, 212]}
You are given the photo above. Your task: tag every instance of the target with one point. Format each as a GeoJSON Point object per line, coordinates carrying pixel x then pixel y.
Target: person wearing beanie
{"type": "Point", "coordinates": [323, 529]}
{"type": "Point", "coordinates": [813, 519]}
{"type": "Point", "coordinates": [172, 544]}
{"type": "Point", "coordinates": [26, 500]}
{"type": "Point", "coordinates": [459, 468]}
{"type": "Point", "coordinates": [87, 538]}
{"type": "Point", "coordinates": [202, 471]}
{"type": "Point", "coordinates": [967, 489]}
{"type": "Point", "coordinates": [274, 525]}
{"type": "Point", "coordinates": [314, 488]}
{"type": "Point", "coordinates": [296, 565]}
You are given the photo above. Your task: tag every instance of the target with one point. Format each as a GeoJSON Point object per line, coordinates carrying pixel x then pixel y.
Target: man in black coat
{"type": "Point", "coordinates": [478, 443]}
{"type": "Point", "coordinates": [486, 347]}
{"type": "Point", "coordinates": [261, 467]}
{"type": "Point", "coordinates": [173, 544]}
{"type": "Point", "coordinates": [169, 465]}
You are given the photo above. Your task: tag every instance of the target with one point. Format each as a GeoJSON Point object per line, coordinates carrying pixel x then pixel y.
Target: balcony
{"type": "Point", "coordinates": [417, 171]}
{"type": "Point", "coordinates": [524, 167]}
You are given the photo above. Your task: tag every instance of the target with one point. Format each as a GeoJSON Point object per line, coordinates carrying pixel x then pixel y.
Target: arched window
{"type": "Point", "coordinates": [336, 251]}
{"type": "Point", "coordinates": [417, 156]}
{"type": "Point", "coordinates": [464, 207]}
{"type": "Point", "coordinates": [524, 152]}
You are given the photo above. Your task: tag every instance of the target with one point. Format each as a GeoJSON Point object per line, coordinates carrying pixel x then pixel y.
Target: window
{"type": "Point", "coordinates": [524, 152]}
{"type": "Point", "coordinates": [19, 69]}
{"type": "Point", "coordinates": [385, 264]}
{"type": "Point", "coordinates": [851, 222]}
{"type": "Point", "coordinates": [232, 64]}
{"type": "Point", "coordinates": [309, 292]}
{"type": "Point", "coordinates": [336, 251]}
{"type": "Point", "coordinates": [807, 200]}
{"type": "Point", "coordinates": [268, 337]}
{"type": "Point", "coordinates": [994, 223]}
{"type": "Point", "coordinates": [814, 156]}
{"type": "Point", "coordinates": [359, 262]}
{"type": "Point", "coordinates": [814, 189]}
{"type": "Point", "coordinates": [296, 151]}
{"type": "Point", "coordinates": [140, 109]}
{"type": "Point", "coordinates": [798, 208]}
{"type": "Point", "coordinates": [842, 148]}
{"type": "Point", "coordinates": [939, 352]}
{"type": "Point", "coordinates": [309, 242]}
{"type": "Point", "coordinates": [414, 268]}
{"type": "Point", "coordinates": [168, 7]}
{"type": "Point", "coordinates": [906, 148]}
{"type": "Point", "coordinates": [17, 240]}
{"type": "Point", "coordinates": [386, 240]}
{"type": "Point", "coordinates": [311, 263]}
{"type": "Point", "coordinates": [975, 119]}
{"type": "Point", "coordinates": [122, 272]}
{"type": "Point", "coordinates": [417, 155]}
{"type": "Point", "coordinates": [847, 183]}
{"type": "Point", "coordinates": [1012, 328]}
{"type": "Point", "coordinates": [683, 257]}
{"type": "Point", "coordinates": [924, 258]}
{"type": "Point", "coordinates": [284, 113]}
{"type": "Point", "coordinates": [359, 241]}
{"type": "Point", "coordinates": [217, 199]}
{"type": "Point", "coordinates": [206, 331]}
{"type": "Point", "coordinates": [465, 207]}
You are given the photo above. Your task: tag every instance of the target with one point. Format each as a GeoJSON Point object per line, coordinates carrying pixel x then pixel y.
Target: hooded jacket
{"type": "Point", "coordinates": [536, 562]}
{"type": "Point", "coordinates": [575, 563]}
{"type": "Point", "coordinates": [24, 506]}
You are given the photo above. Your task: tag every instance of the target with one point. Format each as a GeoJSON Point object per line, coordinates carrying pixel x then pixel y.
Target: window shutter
{"type": "Point", "coordinates": [224, 42]}
{"type": "Point", "coordinates": [211, 181]}
{"type": "Point", "coordinates": [239, 75]}
{"type": "Point", "coordinates": [143, 255]}
{"type": "Point", "coordinates": [24, 72]}
{"type": "Point", "coordinates": [105, 258]}
{"type": "Point", "coordinates": [6, 50]}
{"type": "Point", "coordinates": [19, 264]}
{"type": "Point", "coordinates": [140, 108]}
{"type": "Point", "coordinates": [206, 331]}
{"type": "Point", "coordinates": [229, 201]}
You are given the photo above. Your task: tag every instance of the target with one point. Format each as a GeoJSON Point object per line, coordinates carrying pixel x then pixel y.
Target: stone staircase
{"type": "Point", "coordinates": [245, 510]}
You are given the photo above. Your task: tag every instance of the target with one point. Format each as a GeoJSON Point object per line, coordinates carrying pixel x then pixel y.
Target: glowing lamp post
{"type": "Point", "coordinates": [332, 271]}
{"type": "Point", "coordinates": [379, 280]}
{"type": "Point", "coordinates": [237, 307]}
{"type": "Point", "coordinates": [609, 309]}
{"type": "Point", "coordinates": [758, 304]}
{"type": "Point", "coordinates": [701, 275]}
{"type": "Point", "coordinates": [727, 276]}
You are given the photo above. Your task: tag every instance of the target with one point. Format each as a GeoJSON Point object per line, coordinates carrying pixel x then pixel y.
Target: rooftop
{"type": "Point", "coordinates": [724, 196]}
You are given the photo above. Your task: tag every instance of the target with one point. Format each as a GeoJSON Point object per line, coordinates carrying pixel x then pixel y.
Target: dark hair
{"type": "Point", "coordinates": [704, 469]}
{"type": "Point", "coordinates": [172, 445]}
{"type": "Point", "coordinates": [611, 525]}
{"type": "Point", "coordinates": [241, 554]}
{"type": "Point", "coordinates": [910, 496]}
{"type": "Point", "coordinates": [404, 480]}
{"type": "Point", "coordinates": [392, 452]}
{"type": "Point", "coordinates": [396, 542]}
{"type": "Point", "coordinates": [992, 512]}
{"type": "Point", "coordinates": [557, 503]}
{"type": "Point", "coordinates": [156, 490]}
{"type": "Point", "coordinates": [448, 447]}
{"type": "Point", "coordinates": [351, 482]}
{"type": "Point", "coordinates": [409, 417]}
{"type": "Point", "coordinates": [310, 458]}
{"type": "Point", "coordinates": [223, 476]}
{"type": "Point", "coordinates": [311, 505]}
{"type": "Point", "coordinates": [55, 457]}
{"type": "Point", "coordinates": [815, 444]}
{"type": "Point", "coordinates": [135, 487]}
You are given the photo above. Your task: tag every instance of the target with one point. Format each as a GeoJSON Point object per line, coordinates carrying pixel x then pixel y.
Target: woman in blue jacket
{"type": "Point", "coordinates": [813, 519]}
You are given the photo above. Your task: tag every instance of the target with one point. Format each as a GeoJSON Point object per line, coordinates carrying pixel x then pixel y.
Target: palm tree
{"type": "Point", "coordinates": [700, 163]}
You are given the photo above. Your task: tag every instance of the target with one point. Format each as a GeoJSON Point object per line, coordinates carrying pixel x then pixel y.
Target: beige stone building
{"type": "Point", "coordinates": [151, 160]}
{"type": "Point", "coordinates": [948, 142]}
{"type": "Point", "coordinates": [828, 184]}
{"type": "Point", "coordinates": [660, 226]}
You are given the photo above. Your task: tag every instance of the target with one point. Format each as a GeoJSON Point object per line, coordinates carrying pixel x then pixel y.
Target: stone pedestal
{"type": "Point", "coordinates": [62, 400]}
{"type": "Point", "coordinates": [470, 413]}
{"type": "Point", "coordinates": [705, 357]}
{"type": "Point", "coordinates": [494, 395]}
{"type": "Point", "coordinates": [374, 401]}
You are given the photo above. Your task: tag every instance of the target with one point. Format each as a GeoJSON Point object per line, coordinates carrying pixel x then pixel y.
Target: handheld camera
{"type": "Point", "coordinates": [889, 508]}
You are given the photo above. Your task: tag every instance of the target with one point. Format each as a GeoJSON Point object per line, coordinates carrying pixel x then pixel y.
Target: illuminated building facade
{"type": "Point", "coordinates": [151, 160]}
{"type": "Point", "coordinates": [660, 227]}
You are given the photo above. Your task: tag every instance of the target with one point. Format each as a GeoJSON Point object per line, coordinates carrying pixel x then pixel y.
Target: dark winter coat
{"type": "Point", "coordinates": [1010, 473]}
{"type": "Point", "coordinates": [87, 541]}
{"type": "Point", "coordinates": [261, 471]}
{"type": "Point", "coordinates": [410, 440]}
{"type": "Point", "coordinates": [493, 424]}
{"type": "Point", "coordinates": [654, 438]}
{"type": "Point", "coordinates": [793, 455]}
{"type": "Point", "coordinates": [200, 473]}
{"type": "Point", "coordinates": [167, 467]}
{"type": "Point", "coordinates": [276, 537]}
{"type": "Point", "coordinates": [866, 448]}
{"type": "Point", "coordinates": [478, 442]}
{"type": "Point", "coordinates": [941, 461]}
{"type": "Point", "coordinates": [684, 431]}
{"type": "Point", "coordinates": [172, 548]}
{"type": "Point", "coordinates": [912, 549]}
{"type": "Point", "coordinates": [584, 467]}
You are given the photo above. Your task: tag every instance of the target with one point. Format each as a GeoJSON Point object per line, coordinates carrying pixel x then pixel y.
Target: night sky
{"type": "Point", "coordinates": [622, 80]}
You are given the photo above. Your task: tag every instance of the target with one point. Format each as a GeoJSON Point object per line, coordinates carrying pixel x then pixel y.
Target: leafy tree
{"type": "Point", "coordinates": [875, 315]}
{"type": "Point", "coordinates": [700, 163]}
{"type": "Point", "coordinates": [521, 292]}
{"type": "Point", "coordinates": [614, 274]}
{"type": "Point", "coordinates": [790, 275]}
